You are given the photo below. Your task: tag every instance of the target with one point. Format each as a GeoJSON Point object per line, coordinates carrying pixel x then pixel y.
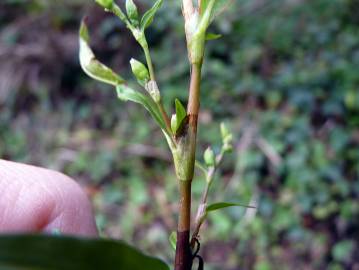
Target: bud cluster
{"type": "Point", "coordinates": [227, 138]}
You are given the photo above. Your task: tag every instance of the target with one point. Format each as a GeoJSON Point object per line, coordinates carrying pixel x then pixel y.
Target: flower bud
{"type": "Point", "coordinates": [224, 131]}
{"type": "Point", "coordinates": [140, 71]}
{"type": "Point", "coordinates": [209, 157]}
{"type": "Point", "coordinates": [227, 147]}
{"type": "Point", "coordinates": [227, 138]}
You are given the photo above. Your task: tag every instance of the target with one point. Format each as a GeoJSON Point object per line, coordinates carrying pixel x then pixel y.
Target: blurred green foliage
{"type": "Point", "coordinates": [284, 75]}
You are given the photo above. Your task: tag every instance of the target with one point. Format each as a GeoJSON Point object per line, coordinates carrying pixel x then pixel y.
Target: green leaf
{"type": "Point", "coordinates": [218, 7]}
{"type": "Point", "coordinates": [140, 71]}
{"type": "Point", "coordinates": [221, 205]}
{"type": "Point", "coordinates": [125, 93]}
{"type": "Point", "coordinates": [212, 36]}
{"type": "Point", "coordinates": [173, 240]}
{"type": "Point", "coordinates": [148, 16]}
{"type": "Point", "coordinates": [91, 65]}
{"type": "Point", "coordinates": [84, 33]}
{"type": "Point", "coordinates": [132, 12]}
{"type": "Point", "coordinates": [180, 111]}
{"type": "Point", "coordinates": [177, 121]}
{"type": "Point", "coordinates": [29, 252]}
{"type": "Point", "coordinates": [115, 9]}
{"type": "Point", "coordinates": [105, 3]}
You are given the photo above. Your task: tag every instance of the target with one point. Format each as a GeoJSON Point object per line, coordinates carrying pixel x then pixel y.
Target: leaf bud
{"type": "Point", "coordinates": [227, 138]}
{"type": "Point", "coordinates": [209, 157]}
{"type": "Point", "coordinates": [224, 130]}
{"type": "Point", "coordinates": [140, 71]}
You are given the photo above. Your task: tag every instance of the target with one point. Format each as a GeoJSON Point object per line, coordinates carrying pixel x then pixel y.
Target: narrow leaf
{"type": "Point", "coordinates": [148, 16]}
{"type": "Point", "coordinates": [115, 9]}
{"type": "Point", "coordinates": [132, 12]}
{"type": "Point", "coordinates": [218, 7]}
{"type": "Point", "coordinates": [181, 115]}
{"type": "Point", "coordinates": [212, 36]}
{"type": "Point", "coordinates": [180, 111]}
{"type": "Point", "coordinates": [127, 94]}
{"type": "Point", "coordinates": [107, 4]}
{"type": "Point", "coordinates": [91, 65]}
{"type": "Point", "coordinates": [221, 205]}
{"type": "Point", "coordinates": [29, 252]}
{"type": "Point", "coordinates": [173, 240]}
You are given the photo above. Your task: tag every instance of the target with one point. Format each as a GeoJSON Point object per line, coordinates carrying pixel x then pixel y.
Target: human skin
{"type": "Point", "coordinates": [34, 199]}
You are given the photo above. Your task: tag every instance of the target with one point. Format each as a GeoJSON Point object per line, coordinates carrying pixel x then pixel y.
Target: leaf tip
{"type": "Point", "coordinates": [84, 33]}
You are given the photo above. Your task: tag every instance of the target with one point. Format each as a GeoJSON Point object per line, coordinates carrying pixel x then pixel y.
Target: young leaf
{"type": "Point", "coordinates": [180, 110]}
{"type": "Point", "coordinates": [29, 252]}
{"type": "Point", "coordinates": [115, 9]}
{"type": "Point", "coordinates": [218, 7]}
{"type": "Point", "coordinates": [140, 71]}
{"type": "Point", "coordinates": [148, 16]}
{"type": "Point", "coordinates": [178, 120]}
{"type": "Point", "coordinates": [221, 205]}
{"type": "Point", "coordinates": [132, 12]}
{"type": "Point", "coordinates": [125, 93]}
{"type": "Point", "coordinates": [173, 240]}
{"type": "Point", "coordinates": [107, 4]}
{"type": "Point", "coordinates": [212, 36]}
{"type": "Point", "coordinates": [91, 65]}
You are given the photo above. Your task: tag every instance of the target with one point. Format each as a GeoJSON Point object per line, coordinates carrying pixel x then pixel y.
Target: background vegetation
{"type": "Point", "coordinates": [285, 76]}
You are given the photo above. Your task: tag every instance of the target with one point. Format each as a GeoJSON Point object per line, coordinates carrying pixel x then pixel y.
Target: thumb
{"type": "Point", "coordinates": [34, 199]}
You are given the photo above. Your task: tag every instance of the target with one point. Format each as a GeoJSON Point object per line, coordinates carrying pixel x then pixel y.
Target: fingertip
{"type": "Point", "coordinates": [37, 199]}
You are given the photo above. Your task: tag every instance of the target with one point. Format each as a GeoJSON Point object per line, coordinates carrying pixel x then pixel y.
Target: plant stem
{"type": "Point", "coordinates": [153, 78]}
{"type": "Point", "coordinates": [200, 5]}
{"type": "Point", "coordinates": [194, 91]}
{"type": "Point", "coordinates": [183, 259]}
{"type": "Point", "coordinates": [185, 169]}
{"type": "Point", "coordinates": [188, 8]}
{"type": "Point", "coordinates": [149, 62]}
